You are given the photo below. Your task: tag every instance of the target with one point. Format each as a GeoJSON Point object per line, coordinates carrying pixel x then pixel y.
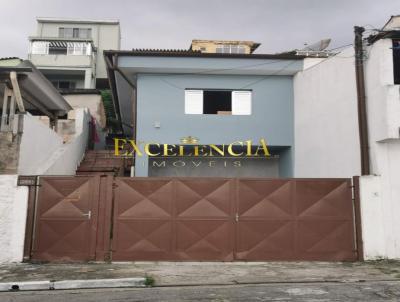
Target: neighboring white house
{"type": "Point", "coordinates": [327, 140]}
{"type": "Point", "coordinates": [69, 52]}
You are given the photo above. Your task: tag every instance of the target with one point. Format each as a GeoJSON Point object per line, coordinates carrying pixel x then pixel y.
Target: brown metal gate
{"type": "Point", "coordinates": [66, 216]}
{"type": "Point", "coordinates": [194, 219]}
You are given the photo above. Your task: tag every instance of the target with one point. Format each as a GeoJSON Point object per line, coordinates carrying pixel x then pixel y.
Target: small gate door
{"type": "Point", "coordinates": [66, 219]}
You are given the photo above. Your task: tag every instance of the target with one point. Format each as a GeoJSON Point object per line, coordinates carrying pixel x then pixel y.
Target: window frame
{"type": "Point", "coordinates": [191, 111]}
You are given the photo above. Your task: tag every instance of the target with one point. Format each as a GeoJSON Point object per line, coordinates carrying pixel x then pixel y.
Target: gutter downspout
{"type": "Point", "coordinates": [361, 100]}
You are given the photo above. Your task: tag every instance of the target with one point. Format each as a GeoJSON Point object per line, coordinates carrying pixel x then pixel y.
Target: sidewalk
{"type": "Point", "coordinates": [207, 273]}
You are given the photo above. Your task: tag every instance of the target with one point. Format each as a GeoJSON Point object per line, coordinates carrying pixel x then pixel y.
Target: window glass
{"type": "Point", "coordinates": [68, 33]}
{"type": "Point", "coordinates": [241, 49]}
{"type": "Point", "coordinates": [76, 32]}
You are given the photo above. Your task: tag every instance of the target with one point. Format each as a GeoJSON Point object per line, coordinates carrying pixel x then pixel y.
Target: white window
{"type": "Point", "coordinates": [241, 102]}
{"type": "Point", "coordinates": [221, 102]}
{"type": "Point", "coordinates": [194, 101]}
{"type": "Point", "coordinates": [69, 32]}
{"type": "Point", "coordinates": [80, 49]}
{"type": "Point", "coordinates": [40, 48]}
{"type": "Point", "coordinates": [227, 48]}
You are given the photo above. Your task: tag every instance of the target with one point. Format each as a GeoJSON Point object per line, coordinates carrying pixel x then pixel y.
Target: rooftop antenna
{"type": "Point", "coordinates": [318, 46]}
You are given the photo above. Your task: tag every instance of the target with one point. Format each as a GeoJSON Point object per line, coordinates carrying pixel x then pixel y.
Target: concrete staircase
{"type": "Point", "coordinates": [104, 162]}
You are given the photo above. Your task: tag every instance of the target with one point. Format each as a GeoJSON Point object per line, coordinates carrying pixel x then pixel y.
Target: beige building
{"type": "Point", "coordinates": [69, 52]}
{"type": "Point", "coordinates": [223, 46]}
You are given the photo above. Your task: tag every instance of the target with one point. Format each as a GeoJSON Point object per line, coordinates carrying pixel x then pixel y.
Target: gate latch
{"type": "Point", "coordinates": [88, 214]}
{"type": "Point", "coordinates": [237, 217]}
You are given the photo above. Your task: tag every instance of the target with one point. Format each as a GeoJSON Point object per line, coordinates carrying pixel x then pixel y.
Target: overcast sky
{"type": "Point", "coordinates": [277, 24]}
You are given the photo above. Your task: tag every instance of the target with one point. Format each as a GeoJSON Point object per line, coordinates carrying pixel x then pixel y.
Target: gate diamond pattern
{"type": "Point", "coordinates": [143, 219]}
{"type": "Point", "coordinates": [194, 219]}
{"type": "Point", "coordinates": [204, 219]}
{"type": "Point", "coordinates": [63, 230]}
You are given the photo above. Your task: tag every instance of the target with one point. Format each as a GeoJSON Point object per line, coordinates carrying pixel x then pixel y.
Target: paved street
{"type": "Point", "coordinates": [360, 291]}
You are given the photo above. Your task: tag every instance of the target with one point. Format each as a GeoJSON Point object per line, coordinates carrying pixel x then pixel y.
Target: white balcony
{"type": "Point", "coordinates": [61, 53]}
{"type": "Point", "coordinates": [60, 60]}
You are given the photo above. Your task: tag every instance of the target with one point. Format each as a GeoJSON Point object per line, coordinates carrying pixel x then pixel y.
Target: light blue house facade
{"type": "Point", "coordinates": [165, 97]}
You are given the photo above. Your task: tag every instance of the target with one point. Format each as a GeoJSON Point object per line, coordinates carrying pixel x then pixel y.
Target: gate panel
{"type": "Point", "coordinates": [310, 219]}
{"type": "Point", "coordinates": [66, 219]}
{"type": "Point", "coordinates": [173, 219]}
{"type": "Point", "coordinates": [204, 219]}
{"type": "Point", "coordinates": [325, 228]}
{"type": "Point", "coordinates": [266, 220]}
{"type": "Point", "coordinates": [143, 219]}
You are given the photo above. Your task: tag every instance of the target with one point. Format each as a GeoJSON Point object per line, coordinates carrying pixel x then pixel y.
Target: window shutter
{"type": "Point", "coordinates": [193, 101]}
{"type": "Point", "coordinates": [241, 102]}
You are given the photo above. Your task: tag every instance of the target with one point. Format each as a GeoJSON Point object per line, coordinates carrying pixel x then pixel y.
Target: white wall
{"type": "Point", "coordinates": [13, 210]}
{"type": "Point", "coordinates": [326, 123]}
{"type": "Point", "coordinates": [379, 216]}
{"type": "Point", "coordinates": [38, 143]}
{"type": "Point", "coordinates": [43, 152]}
{"type": "Point", "coordinates": [380, 194]}
{"type": "Point", "coordinates": [67, 158]}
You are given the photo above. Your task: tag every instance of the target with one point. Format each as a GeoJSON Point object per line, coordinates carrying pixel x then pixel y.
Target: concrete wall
{"type": "Point", "coordinates": [9, 152]}
{"type": "Point", "coordinates": [95, 105]}
{"type": "Point", "coordinates": [161, 102]}
{"type": "Point", "coordinates": [379, 214]}
{"type": "Point", "coordinates": [326, 123]}
{"type": "Point", "coordinates": [66, 159]}
{"type": "Point", "coordinates": [38, 143]}
{"type": "Point", "coordinates": [91, 101]}
{"type": "Point", "coordinates": [380, 194]}
{"type": "Point", "coordinates": [13, 210]}
{"type": "Point", "coordinates": [43, 151]}
{"type": "Point", "coordinates": [62, 61]}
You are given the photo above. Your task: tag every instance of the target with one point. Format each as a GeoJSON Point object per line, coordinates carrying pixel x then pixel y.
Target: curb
{"type": "Point", "coordinates": [73, 284]}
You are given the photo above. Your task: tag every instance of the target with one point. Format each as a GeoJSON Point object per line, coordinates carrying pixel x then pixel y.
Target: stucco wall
{"type": "Point", "coordinates": [380, 194]}
{"type": "Point", "coordinates": [67, 158]}
{"type": "Point", "coordinates": [326, 122]}
{"type": "Point", "coordinates": [379, 215]}
{"type": "Point", "coordinates": [95, 105]}
{"type": "Point", "coordinates": [91, 101]}
{"type": "Point", "coordinates": [13, 210]}
{"type": "Point", "coordinates": [43, 152]}
{"type": "Point", "coordinates": [161, 99]}
{"type": "Point", "coordinates": [38, 143]}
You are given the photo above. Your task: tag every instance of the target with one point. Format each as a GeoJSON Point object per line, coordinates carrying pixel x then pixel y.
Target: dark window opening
{"type": "Point", "coordinates": [64, 84]}
{"type": "Point", "coordinates": [217, 102]}
{"type": "Point", "coordinates": [396, 61]}
{"type": "Point", "coordinates": [57, 50]}
{"type": "Point", "coordinates": [69, 32]}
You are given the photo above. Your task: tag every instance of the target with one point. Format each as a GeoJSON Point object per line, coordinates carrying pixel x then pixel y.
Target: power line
{"type": "Point", "coordinates": [254, 65]}
{"type": "Point", "coordinates": [266, 77]}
